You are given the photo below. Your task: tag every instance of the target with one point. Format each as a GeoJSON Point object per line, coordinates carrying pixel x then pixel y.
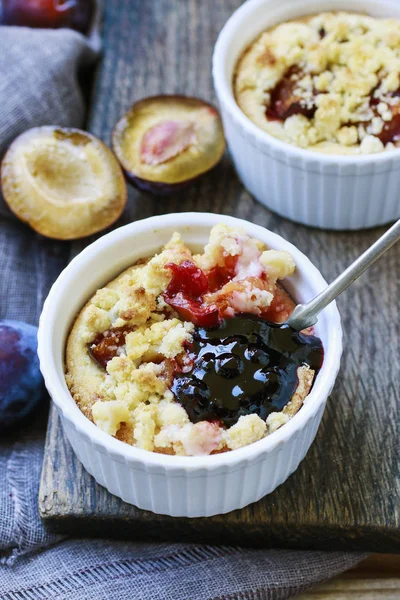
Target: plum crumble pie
{"type": "Point", "coordinates": [328, 82]}
{"type": "Point", "coordinates": [182, 354]}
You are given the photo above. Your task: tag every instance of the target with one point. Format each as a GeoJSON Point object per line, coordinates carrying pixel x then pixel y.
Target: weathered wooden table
{"type": "Point", "coordinates": [346, 493]}
{"type": "Point", "coordinates": [376, 578]}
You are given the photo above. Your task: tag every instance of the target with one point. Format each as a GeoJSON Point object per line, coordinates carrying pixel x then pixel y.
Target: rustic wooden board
{"type": "Point", "coordinates": [376, 578]}
{"type": "Point", "coordinates": [346, 493]}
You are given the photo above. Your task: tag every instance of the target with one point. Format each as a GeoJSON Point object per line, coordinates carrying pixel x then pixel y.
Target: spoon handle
{"type": "Point", "coordinates": [305, 315]}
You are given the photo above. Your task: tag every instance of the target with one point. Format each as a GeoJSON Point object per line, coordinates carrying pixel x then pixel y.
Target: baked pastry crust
{"type": "Point", "coordinates": [130, 398]}
{"type": "Point", "coordinates": [336, 77]}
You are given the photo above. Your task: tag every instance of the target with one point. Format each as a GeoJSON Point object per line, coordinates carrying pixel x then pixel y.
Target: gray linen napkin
{"type": "Point", "coordinates": [38, 85]}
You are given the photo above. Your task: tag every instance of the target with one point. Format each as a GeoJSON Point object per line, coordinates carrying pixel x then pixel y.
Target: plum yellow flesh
{"type": "Point", "coordinates": [64, 183]}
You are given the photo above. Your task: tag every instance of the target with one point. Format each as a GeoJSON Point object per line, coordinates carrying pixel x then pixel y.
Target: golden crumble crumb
{"type": "Point", "coordinates": [105, 298]}
{"type": "Point", "coordinates": [276, 420]}
{"type": "Point", "coordinates": [248, 429]}
{"type": "Point", "coordinates": [278, 264]}
{"type": "Point", "coordinates": [144, 426]}
{"type": "Point", "coordinates": [109, 415]}
{"type": "Point", "coordinates": [370, 145]}
{"type": "Point", "coordinates": [97, 319]}
{"type": "Point", "coordinates": [224, 241]}
{"type": "Point", "coordinates": [347, 136]}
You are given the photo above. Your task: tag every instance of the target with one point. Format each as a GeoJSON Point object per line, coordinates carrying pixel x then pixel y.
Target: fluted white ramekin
{"type": "Point", "coordinates": [321, 190]}
{"type": "Point", "coordinates": [179, 485]}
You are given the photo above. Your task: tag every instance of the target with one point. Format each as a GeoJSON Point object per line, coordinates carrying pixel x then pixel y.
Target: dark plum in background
{"type": "Point", "coordinates": [21, 383]}
{"type": "Point", "coordinates": [52, 14]}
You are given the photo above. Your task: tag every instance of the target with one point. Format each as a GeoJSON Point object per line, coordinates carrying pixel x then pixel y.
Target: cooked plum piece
{"type": "Point", "coordinates": [64, 183]}
{"type": "Point", "coordinates": [285, 102]}
{"type": "Point", "coordinates": [164, 142]}
{"type": "Point", "coordinates": [391, 130]}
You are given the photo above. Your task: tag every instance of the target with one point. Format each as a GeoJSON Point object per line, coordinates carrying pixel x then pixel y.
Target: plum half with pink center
{"type": "Point", "coordinates": [165, 142]}
{"type": "Point", "coordinates": [64, 183]}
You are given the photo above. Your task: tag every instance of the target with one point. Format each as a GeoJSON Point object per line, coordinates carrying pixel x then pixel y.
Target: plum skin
{"type": "Point", "coordinates": [21, 383]}
{"type": "Point", "coordinates": [158, 188]}
{"type": "Point", "coordinates": [75, 14]}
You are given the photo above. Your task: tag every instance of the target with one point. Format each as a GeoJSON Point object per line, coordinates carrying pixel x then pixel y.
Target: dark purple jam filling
{"type": "Point", "coordinates": [244, 366]}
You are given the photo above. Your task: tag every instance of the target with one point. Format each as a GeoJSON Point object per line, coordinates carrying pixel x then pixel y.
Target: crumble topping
{"type": "Point", "coordinates": [130, 338]}
{"type": "Point", "coordinates": [330, 82]}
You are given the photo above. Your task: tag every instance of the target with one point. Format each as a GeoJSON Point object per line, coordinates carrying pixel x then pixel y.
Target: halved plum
{"type": "Point", "coordinates": [164, 142]}
{"type": "Point", "coordinates": [65, 183]}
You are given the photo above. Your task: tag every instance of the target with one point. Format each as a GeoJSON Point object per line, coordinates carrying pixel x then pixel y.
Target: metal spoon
{"type": "Point", "coordinates": [305, 315]}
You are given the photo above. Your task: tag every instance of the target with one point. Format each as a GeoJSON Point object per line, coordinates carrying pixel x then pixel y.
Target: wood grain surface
{"type": "Point", "coordinates": [346, 492]}
{"type": "Point", "coordinates": [376, 578]}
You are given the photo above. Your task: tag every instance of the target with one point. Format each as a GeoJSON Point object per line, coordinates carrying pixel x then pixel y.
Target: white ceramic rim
{"type": "Point", "coordinates": [122, 451]}
{"type": "Point", "coordinates": [223, 87]}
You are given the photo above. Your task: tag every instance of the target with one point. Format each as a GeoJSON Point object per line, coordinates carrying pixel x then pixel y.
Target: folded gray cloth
{"type": "Point", "coordinates": [101, 570]}
{"type": "Point", "coordinates": [39, 86]}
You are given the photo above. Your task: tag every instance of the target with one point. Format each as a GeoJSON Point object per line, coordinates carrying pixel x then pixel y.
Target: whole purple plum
{"type": "Point", "coordinates": [21, 383]}
{"type": "Point", "coordinates": [76, 14]}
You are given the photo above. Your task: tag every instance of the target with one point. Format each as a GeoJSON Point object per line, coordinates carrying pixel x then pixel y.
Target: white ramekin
{"type": "Point", "coordinates": [328, 191]}
{"type": "Point", "coordinates": [174, 485]}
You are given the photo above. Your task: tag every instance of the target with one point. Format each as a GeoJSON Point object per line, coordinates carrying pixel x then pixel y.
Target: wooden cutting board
{"type": "Point", "coordinates": [346, 493]}
{"type": "Point", "coordinates": [375, 578]}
